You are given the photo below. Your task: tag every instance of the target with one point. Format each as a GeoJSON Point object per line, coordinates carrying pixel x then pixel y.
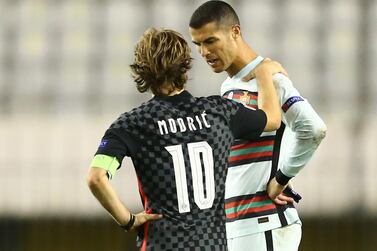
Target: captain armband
{"type": "Point", "coordinates": [292, 100]}
{"type": "Point", "coordinates": [108, 163]}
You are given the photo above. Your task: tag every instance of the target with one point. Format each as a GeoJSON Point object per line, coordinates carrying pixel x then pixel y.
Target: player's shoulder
{"type": "Point", "coordinates": [132, 117]}
{"type": "Point", "coordinates": [122, 122]}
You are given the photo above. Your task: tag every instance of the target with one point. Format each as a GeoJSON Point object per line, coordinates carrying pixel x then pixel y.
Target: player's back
{"type": "Point", "coordinates": [179, 146]}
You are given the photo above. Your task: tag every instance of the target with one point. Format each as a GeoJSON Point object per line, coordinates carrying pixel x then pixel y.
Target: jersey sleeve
{"type": "Point", "coordinates": [246, 123]}
{"type": "Point", "coordinates": [113, 143]}
{"type": "Point", "coordinates": [308, 128]}
{"type": "Point", "coordinates": [111, 151]}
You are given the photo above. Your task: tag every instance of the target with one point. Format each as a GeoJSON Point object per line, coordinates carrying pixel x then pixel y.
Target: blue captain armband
{"type": "Point", "coordinates": [108, 163]}
{"type": "Point", "coordinates": [290, 102]}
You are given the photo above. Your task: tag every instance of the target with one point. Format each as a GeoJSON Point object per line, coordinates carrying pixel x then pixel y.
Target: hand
{"type": "Point", "coordinates": [275, 192]}
{"type": "Point", "coordinates": [272, 66]}
{"type": "Point", "coordinates": [144, 217]}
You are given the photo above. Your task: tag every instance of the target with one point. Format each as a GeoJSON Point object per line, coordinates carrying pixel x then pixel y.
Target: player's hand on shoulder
{"type": "Point", "coordinates": [144, 217]}
{"type": "Point", "coordinates": [266, 66]}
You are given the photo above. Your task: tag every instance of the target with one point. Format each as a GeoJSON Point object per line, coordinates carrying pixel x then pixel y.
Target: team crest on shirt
{"type": "Point", "coordinates": [245, 98]}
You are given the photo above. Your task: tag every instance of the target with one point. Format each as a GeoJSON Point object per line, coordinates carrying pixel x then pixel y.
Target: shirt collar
{"type": "Point", "coordinates": [248, 68]}
{"type": "Point", "coordinates": [183, 96]}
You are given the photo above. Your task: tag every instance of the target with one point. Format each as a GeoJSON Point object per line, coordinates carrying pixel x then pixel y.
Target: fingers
{"type": "Point", "coordinates": [149, 217]}
{"type": "Point", "coordinates": [274, 67]}
{"type": "Point", "coordinates": [251, 74]}
{"type": "Point", "coordinates": [153, 217]}
{"type": "Point", "coordinates": [275, 191]}
{"type": "Point", "coordinates": [282, 199]}
{"type": "Point", "coordinates": [285, 198]}
{"type": "Point", "coordinates": [279, 202]}
{"type": "Point", "coordinates": [144, 217]}
{"type": "Point", "coordinates": [283, 71]}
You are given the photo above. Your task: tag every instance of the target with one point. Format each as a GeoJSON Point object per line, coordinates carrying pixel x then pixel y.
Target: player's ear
{"type": "Point", "coordinates": [236, 31]}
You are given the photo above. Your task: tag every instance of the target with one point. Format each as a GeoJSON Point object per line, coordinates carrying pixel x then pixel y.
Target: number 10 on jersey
{"type": "Point", "coordinates": [202, 200]}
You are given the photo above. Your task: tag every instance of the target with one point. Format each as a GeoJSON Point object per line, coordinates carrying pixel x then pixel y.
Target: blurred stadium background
{"type": "Point", "coordinates": [64, 78]}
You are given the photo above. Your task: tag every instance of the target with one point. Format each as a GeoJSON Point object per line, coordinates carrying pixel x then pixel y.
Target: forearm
{"type": "Point", "coordinates": [267, 99]}
{"type": "Point", "coordinates": [301, 153]}
{"type": "Point", "coordinates": [108, 198]}
{"type": "Point", "coordinates": [308, 136]}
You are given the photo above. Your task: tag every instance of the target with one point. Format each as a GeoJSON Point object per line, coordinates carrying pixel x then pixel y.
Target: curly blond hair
{"type": "Point", "coordinates": [162, 59]}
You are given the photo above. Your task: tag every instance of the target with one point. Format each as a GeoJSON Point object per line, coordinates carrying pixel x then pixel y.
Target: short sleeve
{"type": "Point", "coordinates": [248, 123]}
{"type": "Point", "coordinates": [114, 144]}
{"type": "Point", "coordinates": [226, 107]}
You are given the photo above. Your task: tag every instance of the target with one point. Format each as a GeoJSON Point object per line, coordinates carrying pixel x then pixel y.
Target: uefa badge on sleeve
{"type": "Point", "coordinates": [103, 143]}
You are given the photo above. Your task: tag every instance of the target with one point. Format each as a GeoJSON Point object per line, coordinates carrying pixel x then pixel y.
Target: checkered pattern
{"type": "Point", "coordinates": [137, 135]}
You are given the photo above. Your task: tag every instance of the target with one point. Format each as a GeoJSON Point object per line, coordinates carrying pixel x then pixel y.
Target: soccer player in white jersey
{"type": "Point", "coordinates": [259, 214]}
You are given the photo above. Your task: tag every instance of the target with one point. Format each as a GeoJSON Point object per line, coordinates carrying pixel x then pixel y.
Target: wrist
{"type": "Point", "coordinates": [127, 227]}
{"type": "Point", "coordinates": [281, 178]}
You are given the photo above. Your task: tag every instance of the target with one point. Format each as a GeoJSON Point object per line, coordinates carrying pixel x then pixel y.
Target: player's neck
{"type": "Point", "coordinates": [170, 92]}
{"type": "Point", "coordinates": [176, 92]}
{"type": "Point", "coordinates": [168, 89]}
{"type": "Point", "coordinates": [245, 56]}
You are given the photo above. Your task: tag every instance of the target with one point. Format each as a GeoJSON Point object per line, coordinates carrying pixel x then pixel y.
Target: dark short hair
{"type": "Point", "coordinates": [161, 57]}
{"type": "Point", "coordinates": [214, 11]}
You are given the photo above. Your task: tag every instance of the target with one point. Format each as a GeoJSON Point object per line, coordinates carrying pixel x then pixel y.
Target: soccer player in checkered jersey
{"type": "Point", "coordinates": [259, 215]}
{"type": "Point", "coordinates": [179, 145]}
